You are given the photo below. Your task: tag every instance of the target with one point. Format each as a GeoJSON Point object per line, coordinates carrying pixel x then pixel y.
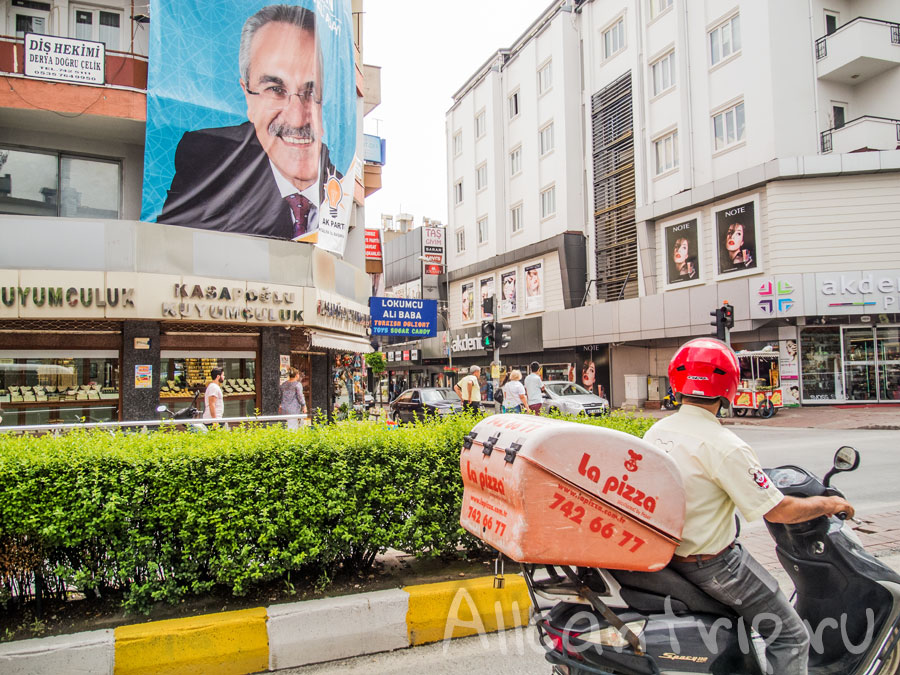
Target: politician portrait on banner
{"type": "Point", "coordinates": [682, 252]}
{"type": "Point", "coordinates": [251, 127]}
{"type": "Point", "coordinates": [736, 237]}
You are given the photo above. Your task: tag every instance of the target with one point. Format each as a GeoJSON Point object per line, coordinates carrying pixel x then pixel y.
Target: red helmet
{"type": "Point", "coordinates": [705, 368]}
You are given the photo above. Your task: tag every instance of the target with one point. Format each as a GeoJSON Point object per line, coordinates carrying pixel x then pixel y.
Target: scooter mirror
{"type": "Point", "coordinates": [846, 458]}
{"type": "Point", "coordinates": [161, 408]}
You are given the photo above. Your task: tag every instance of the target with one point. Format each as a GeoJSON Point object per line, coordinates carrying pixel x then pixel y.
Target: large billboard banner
{"type": "Point", "coordinates": [403, 317]}
{"type": "Point", "coordinates": [251, 122]}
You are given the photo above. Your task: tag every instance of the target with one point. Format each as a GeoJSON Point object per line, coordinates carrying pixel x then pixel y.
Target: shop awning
{"type": "Point", "coordinates": [341, 343]}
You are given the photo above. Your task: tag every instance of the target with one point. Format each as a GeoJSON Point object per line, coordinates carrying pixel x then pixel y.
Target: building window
{"type": "Point", "coordinates": [98, 25]}
{"type": "Point", "coordinates": [666, 152]}
{"type": "Point", "coordinates": [831, 22]}
{"type": "Point", "coordinates": [460, 241]}
{"type": "Point", "coordinates": [481, 177]}
{"type": "Point", "coordinates": [514, 105]}
{"type": "Point", "coordinates": [458, 192]}
{"type": "Point", "coordinates": [482, 230]}
{"type": "Point", "coordinates": [480, 125]}
{"type": "Point", "coordinates": [515, 161]}
{"type": "Point", "coordinates": [614, 39]}
{"type": "Point", "coordinates": [725, 40]}
{"type": "Point", "coordinates": [457, 144]}
{"type": "Point", "coordinates": [546, 139]}
{"type": "Point", "coordinates": [545, 78]}
{"type": "Point", "coordinates": [50, 184]}
{"type": "Point", "coordinates": [515, 218]}
{"type": "Point", "coordinates": [728, 126]}
{"type": "Point", "coordinates": [548, 202]}
{"type": "Point", "coordinates": [663, 73]}
{"type": "Point", "coordinates": [30, 19]}
{"type": "Point", "coordinates": [657, 7]}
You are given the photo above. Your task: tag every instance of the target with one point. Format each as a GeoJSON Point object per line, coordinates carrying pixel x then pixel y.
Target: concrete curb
{"type": "Point", "coordinates": [281, 636]}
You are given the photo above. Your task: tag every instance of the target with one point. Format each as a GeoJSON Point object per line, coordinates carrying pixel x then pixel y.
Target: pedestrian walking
{"type": "Point", "coordinates": [469, 390]}
{"type": "Point", "coordinates": [514, 399]}
{"type": "Point", "coordinates": [292, 400]}
{"type": "Point", "coordinates": [534, 389]}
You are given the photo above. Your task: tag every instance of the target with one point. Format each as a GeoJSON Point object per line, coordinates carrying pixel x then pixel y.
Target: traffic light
{"type": "Point", "coordinates": [719, 323]}
{"type": "Point", "coordinates": [502, 331]}
{"type": "Point", "coordinates": [487, 307]}
{"type": "Point", "coordinates": [728, 315]}
{"type": "Point", "coordinates": [487, 335]}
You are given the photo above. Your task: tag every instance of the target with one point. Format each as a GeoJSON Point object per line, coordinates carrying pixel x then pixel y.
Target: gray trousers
{"type": "Point", "coordinates": [736, 579]}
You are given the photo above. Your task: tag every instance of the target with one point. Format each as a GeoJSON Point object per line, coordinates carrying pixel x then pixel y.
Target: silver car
{"type": "Point", "coordinates": [573, 399]}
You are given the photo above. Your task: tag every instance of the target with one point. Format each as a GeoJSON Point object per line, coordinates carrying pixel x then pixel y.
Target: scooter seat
{"type": "Point", "coordinates": [647, 592]}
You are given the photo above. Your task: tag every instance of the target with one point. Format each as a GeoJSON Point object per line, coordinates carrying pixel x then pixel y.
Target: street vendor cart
{"type": "Point", "coordinates": [760, 389]}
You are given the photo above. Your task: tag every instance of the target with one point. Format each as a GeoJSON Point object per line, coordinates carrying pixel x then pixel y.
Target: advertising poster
{"type": "Point", "coordinates": [509, 293]}
{"type": "Point", "coordinates": [284, 363]}
{"type": "Point", "coordinates": [467, 301]}
{"type": "Point", "coordinates": [251, 118]}
{"type": "Point", "coordinates": [736, 238]}
{"type": "Point", "coordinates": [593, 369]}
{"type": "Point", "coordinates": [487, 290]}
{"type": "Point", "coordinates": [534, 287]}
{"type": "Point", "coordinates": [682, 252]}
{"type": "Point", "coordinates": [403, 317]}
{"type": "Point", "coordinates": [143, 377]}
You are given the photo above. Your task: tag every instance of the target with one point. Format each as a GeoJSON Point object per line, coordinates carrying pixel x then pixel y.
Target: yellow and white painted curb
{"type": "Point", "coordinates": [280, 636]}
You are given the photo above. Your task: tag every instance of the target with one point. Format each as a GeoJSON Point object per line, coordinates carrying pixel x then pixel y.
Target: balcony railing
{"type": "Point", "coordinates": [858, 50]}
{"type": "Point", "coordinates": [863, 133]}
{"type": "Point", "coordinates": [123, 69]}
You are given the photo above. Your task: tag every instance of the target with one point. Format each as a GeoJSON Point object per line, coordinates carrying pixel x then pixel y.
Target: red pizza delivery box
{"type": "Point", "coordinates": [546, 491]}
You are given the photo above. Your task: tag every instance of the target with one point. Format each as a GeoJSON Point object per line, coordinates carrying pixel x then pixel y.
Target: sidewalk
{"type": "Point", "coordinates": [882, 416]}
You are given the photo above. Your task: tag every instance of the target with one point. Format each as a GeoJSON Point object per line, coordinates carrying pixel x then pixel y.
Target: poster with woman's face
{"type": "Point", "coordinates": [682, 252]}
{"type": "Point", "coordinates": [468, 302]}
{"type": "Point", "coordinates": [534, 287]}
{"type": "Point", "coordinates": [487, 290]}
{"type": "Point", "coordinates": [736, 238]}
{"type": "Point", "coordinates": [509, 292]}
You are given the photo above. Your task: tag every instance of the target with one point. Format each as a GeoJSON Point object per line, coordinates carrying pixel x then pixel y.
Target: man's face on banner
{"type": "Point", "coordinates": [282, 65]}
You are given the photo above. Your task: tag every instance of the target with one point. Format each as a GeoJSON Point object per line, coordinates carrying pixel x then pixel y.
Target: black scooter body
{"type": "Point", "coordinates": [847, 596]}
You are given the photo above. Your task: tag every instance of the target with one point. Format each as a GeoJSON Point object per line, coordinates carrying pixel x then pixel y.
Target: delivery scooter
{"type": "Point", "coordinates": [616, 622]}
{"type": "Point", "coordinates": [189, 412]}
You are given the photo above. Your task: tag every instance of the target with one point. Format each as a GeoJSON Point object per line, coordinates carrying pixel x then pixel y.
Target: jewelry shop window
{"type": "Point", "coordinates": [184, 374]}
{"type": "Point", "coordinates": [57, 387]}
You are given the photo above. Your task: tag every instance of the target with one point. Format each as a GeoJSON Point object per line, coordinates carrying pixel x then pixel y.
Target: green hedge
{"type": "Point", "coordinates": [166, 515]}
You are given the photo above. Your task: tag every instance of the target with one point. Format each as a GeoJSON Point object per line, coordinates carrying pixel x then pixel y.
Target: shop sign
{"type": "Point", "coordinates": [780, 296]}
{"type": "Point", "coordinates": [465, 343]}
{"type": "Point", "coordinates": [390, 356]}
{"type": "Point", "coordinates": [41, 296]}
{"type": "Point", "coordinates": [403, 316]}
{"type": "Point", "coordinates": [268, 305]}
{"type": "Point", "coordinates": [49, 57]}
{"type": "Point", "coordinates": [335, 310]}
{"type": "Point", "coordinates": [406, 355]}
{"type": "Point", "coordinates": [433, 244]}
{"type": "Point", "coordinates": [858, 292]}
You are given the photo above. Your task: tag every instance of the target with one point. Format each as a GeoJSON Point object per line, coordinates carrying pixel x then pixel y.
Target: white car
{"type": "Point", "coordinates": [573, 399]}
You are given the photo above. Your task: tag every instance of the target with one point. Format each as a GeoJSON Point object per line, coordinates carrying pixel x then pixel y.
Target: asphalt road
{"type": "Point", "coordinates": [871, 488]}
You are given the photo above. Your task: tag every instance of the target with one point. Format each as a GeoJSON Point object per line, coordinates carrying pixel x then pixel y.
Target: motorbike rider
{"type": "Point", "coordinates": [721, 473]}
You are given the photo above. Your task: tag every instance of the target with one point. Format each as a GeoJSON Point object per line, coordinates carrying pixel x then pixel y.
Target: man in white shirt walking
{"type": "Point", "coordinates": [213, 401]}
{"type": "Point", "coordinates": [534, 389]}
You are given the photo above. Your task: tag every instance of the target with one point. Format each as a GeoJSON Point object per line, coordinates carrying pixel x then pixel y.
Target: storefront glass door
{"type": "Point", "coordinates": [888, 350]}
{"type": "Point", "coordinates": [860, 365]}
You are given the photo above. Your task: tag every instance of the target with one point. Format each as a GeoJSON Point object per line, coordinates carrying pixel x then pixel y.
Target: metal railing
{"type": "Point", "coordinates": [826, 136]}
{"type": "Point", "coordinates": [142, 425]}
{"type": "Point", "coordinates": [822, 46]}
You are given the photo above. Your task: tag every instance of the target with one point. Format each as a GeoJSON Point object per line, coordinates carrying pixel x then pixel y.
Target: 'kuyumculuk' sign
{"type": "Point", "coordinates": [49, 57]}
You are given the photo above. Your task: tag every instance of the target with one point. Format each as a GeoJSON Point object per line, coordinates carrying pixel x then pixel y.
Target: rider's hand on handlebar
{"type": "Point", "coordinates": [838, 505]}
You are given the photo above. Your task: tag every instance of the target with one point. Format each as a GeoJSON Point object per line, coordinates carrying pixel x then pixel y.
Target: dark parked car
{"type": "Point", "coordinates": [418, 403]}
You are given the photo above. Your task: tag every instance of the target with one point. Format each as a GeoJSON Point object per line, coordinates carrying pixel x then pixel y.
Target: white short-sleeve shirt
{"type": "Point", "coordinates": [721, 473]}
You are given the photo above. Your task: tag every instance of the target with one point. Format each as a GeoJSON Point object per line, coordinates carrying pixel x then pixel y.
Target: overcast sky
{"type": "Point", "coordinates": [427, 50]}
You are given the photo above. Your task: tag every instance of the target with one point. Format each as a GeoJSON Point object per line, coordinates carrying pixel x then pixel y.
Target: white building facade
{"type": "Point", "coordinates": [742, 152]}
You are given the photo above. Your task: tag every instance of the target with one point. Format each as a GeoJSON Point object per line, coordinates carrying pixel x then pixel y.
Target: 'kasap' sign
{"type": "Point", "coordinates": [403, 316]}
{"type": "Point", "coordinates": [48, 57]}
{"type": "Point", "coordinates": [251, 127]}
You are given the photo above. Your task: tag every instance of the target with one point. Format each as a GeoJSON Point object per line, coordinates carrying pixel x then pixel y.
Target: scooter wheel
{"type": "Point", "coordinates": [668, 405]}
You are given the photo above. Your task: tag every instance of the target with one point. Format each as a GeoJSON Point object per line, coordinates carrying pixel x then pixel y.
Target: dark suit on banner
{"type": "Point", "coordinates": [223, 181]}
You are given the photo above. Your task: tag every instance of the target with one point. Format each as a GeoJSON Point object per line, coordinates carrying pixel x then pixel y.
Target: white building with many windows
{"type": "Point", "coordinates": [731, 150]}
